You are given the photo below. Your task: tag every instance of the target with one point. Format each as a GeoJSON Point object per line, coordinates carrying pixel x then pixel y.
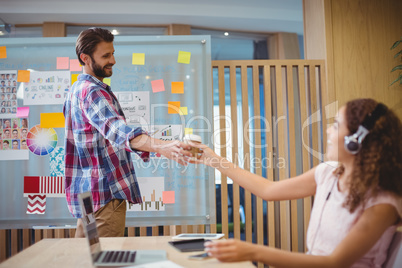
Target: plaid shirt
{"type": "Point", "coordinates": [97, 146]}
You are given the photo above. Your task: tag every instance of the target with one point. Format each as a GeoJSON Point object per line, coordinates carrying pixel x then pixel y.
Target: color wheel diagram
{"type": "Point", "coordinates": [41, 141]}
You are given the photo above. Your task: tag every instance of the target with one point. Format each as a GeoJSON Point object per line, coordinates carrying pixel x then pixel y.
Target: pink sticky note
{"type": "Point", "coordinates": [168, 197]}
{"type": "Point", "coordinates": [157, 86]}
{"type": "Point", "coordinates": [62, 63]}
{"type": "Point", "coordinates": [75, 66]}
{"type": "Point", "coordinates": [22, 112]}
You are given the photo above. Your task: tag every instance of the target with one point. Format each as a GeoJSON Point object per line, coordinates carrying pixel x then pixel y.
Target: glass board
{"type": "Point", "coordinates": [150, 73]}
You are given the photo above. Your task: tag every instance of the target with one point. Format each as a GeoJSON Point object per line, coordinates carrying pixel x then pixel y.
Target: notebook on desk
{"type": "Point", "coordinates": [114, 258]}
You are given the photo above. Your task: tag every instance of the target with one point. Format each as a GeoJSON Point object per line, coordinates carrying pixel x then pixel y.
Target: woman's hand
{"type": "Point", "coordinates": [207, 156]}
{"type": "Point", "coordinates": [230, 250]}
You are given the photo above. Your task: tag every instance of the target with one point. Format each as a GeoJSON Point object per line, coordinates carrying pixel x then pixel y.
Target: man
{"type": "Point", "coordinates": [15, 134]}
{"type": "Point", "coordinates": [98, 141]}
{"type": "Point", "coordinates": [24, 145]}
{"type": "Point", "coordinates": [16, 145]}
{"type": "Point", "coordinates": [6, 145]}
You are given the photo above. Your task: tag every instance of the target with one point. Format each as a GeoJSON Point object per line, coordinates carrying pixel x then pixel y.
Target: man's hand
{"type": "Point", "coordinates": [175, 150]}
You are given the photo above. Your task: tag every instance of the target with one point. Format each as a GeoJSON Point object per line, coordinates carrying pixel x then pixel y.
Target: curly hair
{"type": "Point", "coordinates": [378, 165]}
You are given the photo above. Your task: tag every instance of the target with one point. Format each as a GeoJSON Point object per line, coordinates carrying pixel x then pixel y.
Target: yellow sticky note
{"type": "Point", "coordinates": [184, 57]}
{"type": "Point", "coordinates": [23, 76]}
{"type": "Point", "coordinates": [188, 131]}
{"type": "Point", "coordinates": [107, 81]}
{"type": "Point", "coordinates": [138, 59]}
{"type": "Point", "coordinates": [173, 107]}
{"type": "Point", "coordinates": [183, 111]}
{"type": "Point", "coordinates": [177, 87]}
{"type": "Point", "coordinates": [3, 52]}
{"type": "Point", "coordinates": [74, 78]}
{"type": "Point", "coordinates": [52, 120]}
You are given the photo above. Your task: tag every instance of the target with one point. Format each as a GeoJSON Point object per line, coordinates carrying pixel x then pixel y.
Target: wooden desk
{"type": "Point", "coordinates": [74, 252]}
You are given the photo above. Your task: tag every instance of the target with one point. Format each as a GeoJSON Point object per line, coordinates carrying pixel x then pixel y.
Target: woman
{"type": "Point", "coordinates": [357, 203]}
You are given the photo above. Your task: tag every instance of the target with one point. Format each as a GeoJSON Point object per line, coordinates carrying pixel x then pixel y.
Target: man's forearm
{"type": "Point", "coordinates": [145, 143]}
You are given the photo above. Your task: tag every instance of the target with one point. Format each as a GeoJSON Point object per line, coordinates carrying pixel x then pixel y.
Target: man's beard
{"type": "Point", "coordinates": [99, 70]}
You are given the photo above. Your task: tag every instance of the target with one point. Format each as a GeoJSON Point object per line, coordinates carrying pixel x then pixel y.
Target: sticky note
{"type": "Point", "coordinates": [157, 86]}
{"type": "Point", "coordinates": [22, 112]}
{"type": "Point", "coordinates": [168, 197]}
{"type": "Point", "coordinates": [138, 59]}
{"type": "Point", "coordinates": [184, 57]}
{"type": "Point", "coordinates": [3, 52]}
{"type": "Point", "coordinates": [107, 81]}
{"type": "Point", "coordinates": [23, 76]}
{"type": "Point", "coordinates": [75, 66]}
{"type": "Point", "coordinates": [62, 63]}
{"type": "Point", "coordinates": [52, 120]}
{"type": "Point", "coordinates": [74, 78]}
{"type": "Point", "coordinates": [188, 131]}
{"type": "Point", "coordinates": [173, 107]}
{"type": "Point", "coordinates": [183, 111]}
{"type": "Point", "coordinates": [177, 87]}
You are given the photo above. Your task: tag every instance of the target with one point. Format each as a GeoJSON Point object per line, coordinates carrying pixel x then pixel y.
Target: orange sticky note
{"type": "Point", "coordinates": [173, 107]}
{"type": "Point", "coordinates": [138, 59]}
{"type": "Point", "coordinates": [23, 76]}
{"type": "Point", "coordinates": [74, 78]}
{"type": "Point", "coordinates": [3, 52]}
{"type": "Point", "coordinates": [168, 197]}
{"type": "Point", "coordinates": [177, 87]}
{"type": "Point", "coordinates": [52, 120]}
{"type": "Point", "coordinates": [157, 86]}
{"type": "Point", "coordinates": [62, 63]}
{"type": "Point", "coordinates": [183, 111]}
{"type": "Point", "coordinates": [184, 57]}
{"type": "Point", "coordinates": [75, 66]}
{"type": "Point", "coordinates": [107, 81]}
{"type": "Point", "coordinates": [188, 131]}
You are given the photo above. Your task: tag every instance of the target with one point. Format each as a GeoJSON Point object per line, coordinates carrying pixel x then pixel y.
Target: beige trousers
{"type": "Point", "coordinates": [110, 220]}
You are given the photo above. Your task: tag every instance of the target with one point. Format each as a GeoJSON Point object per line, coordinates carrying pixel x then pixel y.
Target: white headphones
{"type": "Point", "coordinates": [353, 143]}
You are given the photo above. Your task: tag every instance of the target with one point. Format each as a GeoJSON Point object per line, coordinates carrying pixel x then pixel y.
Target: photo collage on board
{"type": "Point", "coordinates": [13, 133]}
{"type": "Point", "coordinates": [8, 92]}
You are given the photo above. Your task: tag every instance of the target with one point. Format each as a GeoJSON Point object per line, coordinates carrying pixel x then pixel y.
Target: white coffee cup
{"type": "Point", "coordinates": [195, 139]}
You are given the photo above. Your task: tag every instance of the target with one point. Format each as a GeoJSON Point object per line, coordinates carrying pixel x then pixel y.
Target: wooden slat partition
{"type": "Point", "coordinates": [293, 101]}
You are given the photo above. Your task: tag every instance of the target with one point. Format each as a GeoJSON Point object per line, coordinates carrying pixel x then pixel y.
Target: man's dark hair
{"type": "Point", "coordinates": [89, 39]}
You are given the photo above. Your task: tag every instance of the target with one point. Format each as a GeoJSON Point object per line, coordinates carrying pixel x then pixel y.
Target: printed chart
{"type": "Point", "coordinates": [151, 194]}
{"type": "Point", "coordinates": [41, 141]}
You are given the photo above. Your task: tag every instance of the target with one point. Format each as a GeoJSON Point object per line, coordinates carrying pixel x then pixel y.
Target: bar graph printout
{"type": "Point", "coordinates": [151, 194]}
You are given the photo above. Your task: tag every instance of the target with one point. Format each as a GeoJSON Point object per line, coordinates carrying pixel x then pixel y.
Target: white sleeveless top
{"type": "Point", "coordinates": [330, 222]}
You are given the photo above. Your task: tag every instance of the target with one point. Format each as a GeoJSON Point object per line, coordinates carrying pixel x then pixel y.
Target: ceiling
{"type": "Point", "coordinates": [244, 15]}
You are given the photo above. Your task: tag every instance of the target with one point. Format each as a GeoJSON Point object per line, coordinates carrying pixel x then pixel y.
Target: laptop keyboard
{"type": "Point", "coordinates": [119, 257]}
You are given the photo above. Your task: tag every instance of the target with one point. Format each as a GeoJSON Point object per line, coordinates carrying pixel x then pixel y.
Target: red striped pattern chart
{"type": "Point", "coordinates": [36, 204]}
{"type": "Point", "coordinates": [44, 185]}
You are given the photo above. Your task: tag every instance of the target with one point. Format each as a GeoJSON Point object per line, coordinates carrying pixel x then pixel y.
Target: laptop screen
{"type": "Point", "coordinates": [89, 223]}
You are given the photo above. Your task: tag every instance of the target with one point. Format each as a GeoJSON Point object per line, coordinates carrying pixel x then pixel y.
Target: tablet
{"type": "Point", "coordinates": [197, 236]}
{"type": "Point", "coordinates": [189, 245]}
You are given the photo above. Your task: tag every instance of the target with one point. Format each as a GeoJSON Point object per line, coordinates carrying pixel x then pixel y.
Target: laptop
{"type": "Point", "coordinates": [111, 258]}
